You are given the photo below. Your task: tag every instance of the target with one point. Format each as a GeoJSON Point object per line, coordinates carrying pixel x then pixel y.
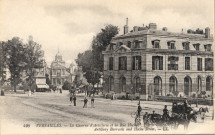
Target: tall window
{"type": "Point", "coordinates": [110, 83]}
{"type": "Point", "coordinates": [209, 84]}
{"type": "Point", "coordinates": [137, 84]}
{"type": "Point", "coordinates": [196, 46]}
{"type": "Point", "coordinates": [208, 64]}
{"type": "Point", "coordinates": [122, 84]}
{"type": "Point", "coordinates": [187, 63]}
{"type": "Point", "coordinates": [207, 47]}
{"type": "Point", "coordinates": [157, 62]}
{"type": "Point", "coordinates": [136, 62]}
{"type": "Point", "coordinates": [199, 83]}
{"type": "Point", "coordinates": [171, 45]}
{"type": "Point", "coordinates": [123, 63]}
{"type": "Point", "coordinates": [173, 63]}
{"type": "Point", "coordinates": [186, 45]}
{"type": "Point", "coordinates": [199, 64]}
{"type": "Point", "coordinates": [156, 43]}
{"type": "Point", "coordinates": [111, 63]}
{"type": "Point", "coordinates": [172, 84]}
{"type": "Point", "coordinates": [129, 44]}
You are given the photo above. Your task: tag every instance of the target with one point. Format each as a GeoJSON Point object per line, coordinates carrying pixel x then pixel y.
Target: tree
{"type": "Point", "coordinates": [67, 85]}
{"type": "Point", "coordinates": [14, 50]}
{"type": "Point", "coordinates": [100, 43]}
{"type": "Point", "coordinates": [34, 59]}
{"type": "Point", "coordinates": [92, 60]}
{"type": "Point", "coordinates": [3, 63]}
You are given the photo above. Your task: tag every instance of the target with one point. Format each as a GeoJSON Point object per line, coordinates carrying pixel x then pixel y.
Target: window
{"type": "Point", "coordinates": [172, 84]}
{"type": "Point", "coordinates": [110, 83]}
{"type": "Point", "coordinates": [199, 64]}
{"type": "Point", "coordinates": [123, 63]}
{"type": "Point", "coordinates": [156, 43]}
{"type": "Point", "coordinates": [171, 45]}
{"type": "Point", "coordinates": [196, 46]}
{"type": "Point", "coordinates": [157, 62]}
{"type": "Point", "coordinates": [137, 84]}
{"type": "Point", "coordinates": [186, 45]}
{"type": "Point", "coordinates": [129, 44]}
{"type": "Point", "coordinates": [136, 44]}
{"type": "Point", "coordinates": [207, 47]}
{"type": "Point", "coordinates": [199, 84]}
{"type": "Point", "coordinates": [111, 47]}
{"type": "Point", "coordinates": [122, 84]}
{"type": "Point", "coordinates": [173, 63]}
{"type": "Point", "coordinates": [209, 84]}
{"type": "Point", "coordinates": [54, 72]}
{"type": "Point", "coordinates": [111, 63]}
{"type": "Point", "coordinates": [187, 63]}
{"type": "Point", "coordinates": [136, 62]}
{"type": "Point", "coordinates": [208, 64]}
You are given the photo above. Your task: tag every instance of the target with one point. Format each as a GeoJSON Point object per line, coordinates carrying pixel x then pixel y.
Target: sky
{"type": "Point", "coordinates": [71, 24]}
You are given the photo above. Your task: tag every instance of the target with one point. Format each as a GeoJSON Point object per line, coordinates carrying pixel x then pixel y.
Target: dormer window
{"type": "Point", "coordinates": [196, 46]}
{"type": "Point", "coordinates": [129, 44]}
{"type": "Point", "coordinates": [171, 44]}
{"type": "Point", "coordinates": [156, 43]}
{"type": "Point", "coordinates": [111, 47]}
{"type": "Point", "coordinates": [136, 44]}
{"type": "Point", "coordinates": [207, 47]}
{"type": "Point", "coordinates": [186, 45]}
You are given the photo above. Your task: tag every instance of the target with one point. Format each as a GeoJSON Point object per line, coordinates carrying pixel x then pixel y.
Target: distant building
{"type": "Point", "coordinates": [59, 73]}
{"type": "Point", "coordinates": [148, 62]}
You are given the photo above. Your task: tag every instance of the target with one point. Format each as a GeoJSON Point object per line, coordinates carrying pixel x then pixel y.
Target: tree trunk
{"type": "Point", "coordinates": [14, 87]}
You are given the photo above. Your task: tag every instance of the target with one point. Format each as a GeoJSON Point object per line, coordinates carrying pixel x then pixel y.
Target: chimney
{"type": "Point", "coordinates": [153, 26]}
{"type": "Point", "coordinates": [136, 28]}
{"type": "Point", "coordinates": [126, 27]}
{"type": "Point", "coordinates": [164, 29]}
{"type": "Point", "coordinates": [207, 32]}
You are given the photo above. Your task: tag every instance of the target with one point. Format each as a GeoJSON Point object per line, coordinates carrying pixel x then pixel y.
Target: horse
{"type": "Point", "coordinates": [184, 119]}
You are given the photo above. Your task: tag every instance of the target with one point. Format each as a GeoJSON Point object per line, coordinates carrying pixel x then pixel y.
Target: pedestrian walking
{"type": "Point", "coordinates": [92, 102]}
{"type": "Point", "coordinates": [60, 90]}
{"type": "Point", "coordinates": [71, 97]}
{"type": "Point", "coordinates": [74, 98]}
{"type": "Point", "coordinates": [85, 103]}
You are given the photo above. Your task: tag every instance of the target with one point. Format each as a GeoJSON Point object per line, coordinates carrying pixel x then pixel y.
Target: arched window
{"type": "Point", "coordinates": [157, 85]}
{"type": "Point", "coordinates": [172, 84]}
{"type": "Point", "coordinates": [129, 44]}
{"type": "Point", "coordinates": [110, 83]}
{"type": "Point", "coordinates": [199, 84]}
{"type": "Point", "coordinates": [187, 85]}
{"type": "Point", "coordinates": [209, 84]}
{"type": "Point", "coordinates": [137, 84]}
{"type": "Point", "coordinates": [122, 84]}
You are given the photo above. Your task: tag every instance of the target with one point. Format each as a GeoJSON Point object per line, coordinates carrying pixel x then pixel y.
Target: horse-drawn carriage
{"type": "Point", "coordinates": [181, 114]}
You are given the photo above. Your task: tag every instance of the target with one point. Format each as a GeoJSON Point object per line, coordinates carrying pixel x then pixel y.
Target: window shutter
{"type": "Point", "coordinates": [139, 62]}
{"type": "Point", "coordinates": [133, 63]}
{"type": "Point", "coordinates": [125, 63]}
{"type": "Point", "coordinates": [161, 63]}
{"type": "Point", "coordinates": [153, 63]}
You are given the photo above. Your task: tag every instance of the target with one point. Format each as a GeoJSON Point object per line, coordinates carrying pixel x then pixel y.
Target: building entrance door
{"type": "Point", "coordinates": [157, 85]}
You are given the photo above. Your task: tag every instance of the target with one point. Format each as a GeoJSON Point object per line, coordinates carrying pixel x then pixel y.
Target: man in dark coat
{"type": "Point", "coordinates": [92, 102]}
{"type": "Point", "coordinates": [85, 102]}
{"type": "Point", "coordinates": [74, 99]}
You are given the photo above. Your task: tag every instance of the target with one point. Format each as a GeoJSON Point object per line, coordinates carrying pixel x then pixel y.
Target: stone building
{"type": "Point", "coordinates": [148, 62]}
{"type": "Point", "coordinates": [59, 73]}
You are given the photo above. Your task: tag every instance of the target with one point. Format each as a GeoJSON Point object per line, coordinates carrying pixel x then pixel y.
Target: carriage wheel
{"type": "Point", "coordinates": [137, 121]}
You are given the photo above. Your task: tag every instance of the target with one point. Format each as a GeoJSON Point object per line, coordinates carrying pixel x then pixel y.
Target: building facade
{"type": "Point", "coordinates": [59, 73]}
{"type": "Point", "coordinates": [147, 62]}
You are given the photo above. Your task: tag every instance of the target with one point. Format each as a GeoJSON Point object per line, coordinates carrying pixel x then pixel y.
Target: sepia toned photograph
{"type": "Point", "coordinates": [106, 67]}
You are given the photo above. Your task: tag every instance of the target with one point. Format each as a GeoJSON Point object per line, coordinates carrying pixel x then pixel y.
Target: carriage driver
{"type": "Point", "coordinates": [165, 113]}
